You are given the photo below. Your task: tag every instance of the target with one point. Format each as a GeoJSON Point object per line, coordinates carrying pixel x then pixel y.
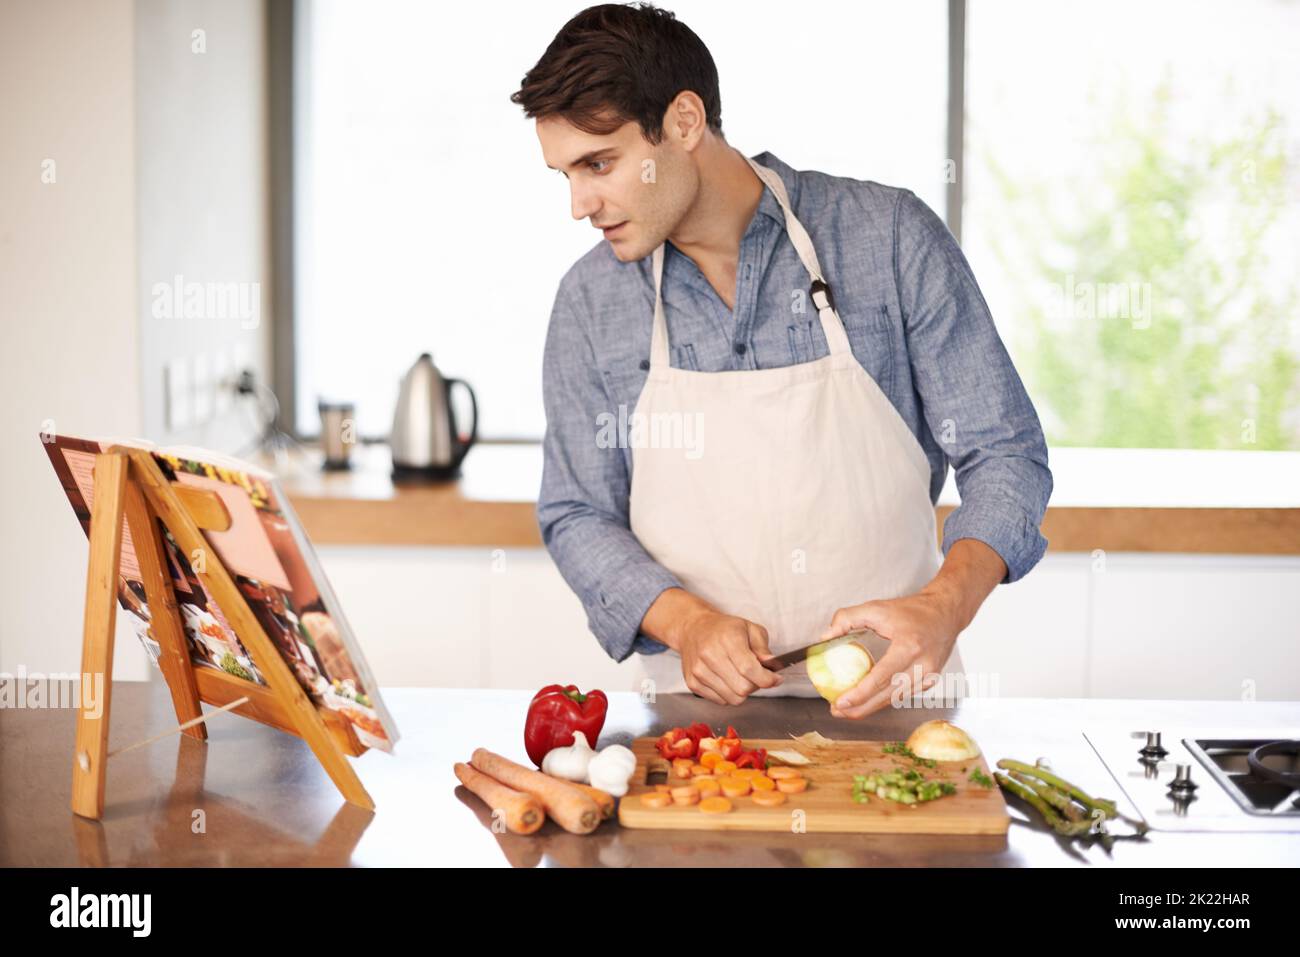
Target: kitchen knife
{"type": "Point", "coordinates": [781, 662]}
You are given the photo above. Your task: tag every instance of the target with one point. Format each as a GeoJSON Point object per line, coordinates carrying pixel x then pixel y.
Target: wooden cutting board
{"type": "Point", "coordinates": [827, 805]}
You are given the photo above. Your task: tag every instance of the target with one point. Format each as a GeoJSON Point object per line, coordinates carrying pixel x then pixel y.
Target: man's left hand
{"type": "Point", "coordinates": [921, 630]}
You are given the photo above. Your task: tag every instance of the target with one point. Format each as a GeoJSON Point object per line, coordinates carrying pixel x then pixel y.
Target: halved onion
{"type": "Point", "coordinates": [837, 665]}
{"type": "Point", "coordinates": [942, 741]}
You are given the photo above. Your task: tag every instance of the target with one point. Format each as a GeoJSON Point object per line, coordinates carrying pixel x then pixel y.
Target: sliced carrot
{"type": "Point", "coordinates": [769, 798]}
{"type": "Point", "coordinates": [724, 767]}
{"type": "Point", "coordinates": [699, 769]}
{"type": "Point", "coordinates": [792, 785]}
{"type": "Point", "coordinates": [682, 767]}
{"type": "Point", "coordinates": [762, 784]}
{"type": "Point", "coordinates": [663, 788]}
{"type": "Point", "coordinates": [656, 799]}
{"type": "Point", "coordinates": [707, 787]}
{"type": "Point", "coordinates": [686, 794]}
{"type": "Point", "coordinates": [710, 758]}
{"type": "Point", "coordinates": [715, 805]}
{"type": "Point", "coordinates": [750, 773]}
{"type": "Point", "coordinates": [778, 773]}
{"type": "Point", "coordinates": [735, 787]}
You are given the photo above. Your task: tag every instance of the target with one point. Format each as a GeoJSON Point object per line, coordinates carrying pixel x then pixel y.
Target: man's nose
{"type": "Point", "coordinates": [581, 202]}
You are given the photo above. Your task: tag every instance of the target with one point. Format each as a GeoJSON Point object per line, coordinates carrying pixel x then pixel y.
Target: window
{"type": "Point", "coordinates": [427, 220]}
{"type": "Point", "coordinates": [1132, 213]}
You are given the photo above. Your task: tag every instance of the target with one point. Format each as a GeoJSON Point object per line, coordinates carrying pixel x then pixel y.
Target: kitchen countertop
{"type": "Point", "coordinates": [265, 801]}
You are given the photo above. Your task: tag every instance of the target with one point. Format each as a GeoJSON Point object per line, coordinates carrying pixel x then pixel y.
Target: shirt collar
{"type": "Point", "coordinates": [768, 204]}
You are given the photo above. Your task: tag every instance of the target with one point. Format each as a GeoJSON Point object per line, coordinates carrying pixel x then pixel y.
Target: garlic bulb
{"type": "Point", "coordinates": [569, 763]}
{"type": "Point", "coordinates": [611, 769]}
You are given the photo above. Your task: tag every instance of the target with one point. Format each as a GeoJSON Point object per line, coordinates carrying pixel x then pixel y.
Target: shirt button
{"type": "Point", "coordinates": [740, 348]}
{"type": "Point", "coordinates": [645, 364]}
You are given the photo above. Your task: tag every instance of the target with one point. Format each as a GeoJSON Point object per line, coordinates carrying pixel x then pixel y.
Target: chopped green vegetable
{"type": "Point", "coordinates": [980, 778]}
{"type": "Point", "coordinates": [904, 787]}
{"type": "Point", "coordinates": [898, 747]}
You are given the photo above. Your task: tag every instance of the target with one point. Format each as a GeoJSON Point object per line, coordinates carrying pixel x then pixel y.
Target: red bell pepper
{"type": "Point", "coordinates": [675, 744]}
{"type": "Point", "coordinates": [757, 758]}
{"type": "Point", "coordinates": [556, 712]}
{"type": "Point", "coordinates": [683, 742]}
{"type": "Point", "coordinates": [730, 745]}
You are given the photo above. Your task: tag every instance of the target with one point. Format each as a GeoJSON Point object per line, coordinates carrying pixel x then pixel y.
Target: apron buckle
{"type": "Point", "coordinates": [820, 288]}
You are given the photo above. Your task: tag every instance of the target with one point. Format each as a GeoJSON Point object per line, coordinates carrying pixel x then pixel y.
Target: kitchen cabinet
{"type": "Point", "coordinates": [1119, 626]}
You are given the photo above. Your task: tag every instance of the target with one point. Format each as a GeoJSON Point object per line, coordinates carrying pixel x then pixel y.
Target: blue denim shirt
{"type": "Point", "coordinates": [916, 321]}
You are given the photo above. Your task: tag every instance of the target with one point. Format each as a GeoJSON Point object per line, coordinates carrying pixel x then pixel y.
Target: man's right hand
{"type": "Point", "coordinates": [721, 654]}
{"type": "Point", "coordinates": [721, 657]}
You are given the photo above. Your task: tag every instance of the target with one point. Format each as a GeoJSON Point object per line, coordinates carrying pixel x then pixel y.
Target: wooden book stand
{"type": "Point", "coordinates": [129, 483]}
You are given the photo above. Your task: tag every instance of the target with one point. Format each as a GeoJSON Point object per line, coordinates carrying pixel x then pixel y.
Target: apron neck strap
{"type": "Point", "coordinates": [819, 291]}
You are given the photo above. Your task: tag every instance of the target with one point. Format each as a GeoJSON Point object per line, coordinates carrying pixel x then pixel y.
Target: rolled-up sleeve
{"type": "Point", "coordinates": [583, 506]}
{"type": "Point", "coordinates": [973, 400]}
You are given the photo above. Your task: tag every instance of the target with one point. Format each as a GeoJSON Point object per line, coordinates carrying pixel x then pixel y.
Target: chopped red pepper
{"type": "Point", "coordinates": [556, 712]}
{"type": "Point", "coordinates": [676, 743]}
{"type": "Point", "coordinates": [685, 743]}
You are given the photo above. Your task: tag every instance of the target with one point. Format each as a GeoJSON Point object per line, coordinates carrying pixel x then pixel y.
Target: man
{"type": "Point", "coordinates": [824, 346]}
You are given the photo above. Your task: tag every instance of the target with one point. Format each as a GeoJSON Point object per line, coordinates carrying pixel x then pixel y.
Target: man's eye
{"type": "Point", "coordinates": [599, 166]}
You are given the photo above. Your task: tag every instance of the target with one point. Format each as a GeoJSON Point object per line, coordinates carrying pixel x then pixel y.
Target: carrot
{"type": "Point", "coordinates": [708, 787]}
{"type": "Point", "coordinates": [603, 799]}
{"type": "Point", "coordinates": [567, 805]}
{"type": "Point", "coordinates": [780, 772]}
{"type": "Point", "coordinates": [523, 812]}
{"type": "Point", "coordinates": [769, 798]}
{"type": "Point", "coordinates": [687, 794]}
{"type": "Point", "coordinates": [735, 787]}
{"type": "Point", "coordinates": [656, 799]}
{"type": "Point", "coordinates": [792, 785]}
{"type": "Point", "coordinates": [762, 784]}
{"type": "Point", "coordinates": [710, 758]}
{"type": "Point", "coordinates": [715, 805]}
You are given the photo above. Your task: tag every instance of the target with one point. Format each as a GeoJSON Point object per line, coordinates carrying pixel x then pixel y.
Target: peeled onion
{"type": "Point", "coordinates": [942, 741]}
{"type": "Point", "coordinates": [837, 665]}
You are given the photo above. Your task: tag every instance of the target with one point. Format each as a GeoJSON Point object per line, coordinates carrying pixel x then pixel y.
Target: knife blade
{"type": "Point", "coordinates": [781, 662]}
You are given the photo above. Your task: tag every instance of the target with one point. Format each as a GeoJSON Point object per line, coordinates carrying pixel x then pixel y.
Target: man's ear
{"type": "Point", "coordinates": [685, 120]}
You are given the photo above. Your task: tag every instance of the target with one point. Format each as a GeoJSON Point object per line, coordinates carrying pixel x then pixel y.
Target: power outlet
{"type": "Point", "coordinates": [225, 383]}
{"type": "Point", "coordinates": [203, 389]}
{"type": "Point", "coordinates": [178, 390]}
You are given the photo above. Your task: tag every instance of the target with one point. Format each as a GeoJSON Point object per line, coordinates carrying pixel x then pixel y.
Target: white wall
{"type": "Point", "coordinates": [1133, 626]}
{"type": "Point", "coordinates": [160, 169]}
{"type": "Point", "coordinates": [203, 202]}
{"type": "Point", "coordinates": [67, 311]}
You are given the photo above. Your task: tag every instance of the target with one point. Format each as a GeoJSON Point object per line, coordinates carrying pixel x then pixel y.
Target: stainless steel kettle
{"type": "Point", "coordinates": [424, 440]}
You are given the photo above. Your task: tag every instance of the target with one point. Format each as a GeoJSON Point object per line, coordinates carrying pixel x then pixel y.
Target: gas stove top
{"type": "Point", "coordinates": [1202, 779]}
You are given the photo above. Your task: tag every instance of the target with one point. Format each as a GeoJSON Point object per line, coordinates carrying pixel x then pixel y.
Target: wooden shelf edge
{"type": "Point", "coordinates": [482, 524]}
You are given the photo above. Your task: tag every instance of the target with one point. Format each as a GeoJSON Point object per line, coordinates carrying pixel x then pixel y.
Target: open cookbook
{"type": "Point", "coordinates": [268, 555]}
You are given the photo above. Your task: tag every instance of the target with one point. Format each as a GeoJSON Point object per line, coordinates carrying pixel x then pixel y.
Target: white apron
{"type": "Point", "coordinates": [802, 492]}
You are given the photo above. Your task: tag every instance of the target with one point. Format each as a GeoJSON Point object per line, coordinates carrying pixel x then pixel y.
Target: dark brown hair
{"type": "Point", "coordinates": [617, 63]}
